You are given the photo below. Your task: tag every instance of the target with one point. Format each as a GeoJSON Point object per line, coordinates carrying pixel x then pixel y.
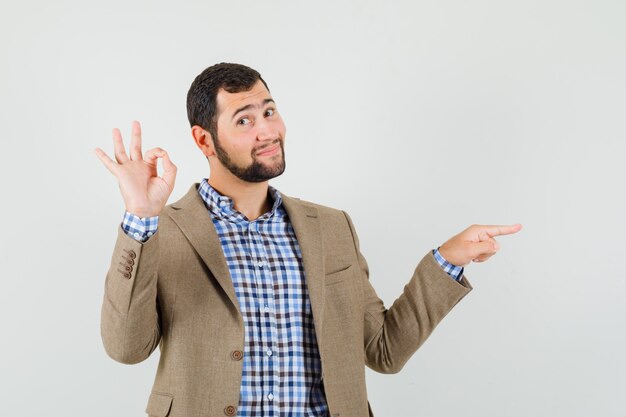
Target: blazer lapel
{"type": "Point", "coordinates": [194, 220]}
{"type": "Point", "coordinates": [306, 225]}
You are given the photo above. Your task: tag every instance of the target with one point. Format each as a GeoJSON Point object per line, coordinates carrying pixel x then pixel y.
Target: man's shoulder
{"type": "Point", "coordinates": [190, 197]}
{"type": "Point", "coordinates": [335, 223]}
{"type": "Point", "coordinates": [325, 211]}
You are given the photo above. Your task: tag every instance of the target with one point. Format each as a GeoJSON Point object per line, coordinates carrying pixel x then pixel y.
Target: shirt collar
{"type": "Point", "coordinates": [222, 206]}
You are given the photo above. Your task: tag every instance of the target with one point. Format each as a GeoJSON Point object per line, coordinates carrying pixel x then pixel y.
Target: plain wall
{"type": "Point", "coordinates": [418, 118]}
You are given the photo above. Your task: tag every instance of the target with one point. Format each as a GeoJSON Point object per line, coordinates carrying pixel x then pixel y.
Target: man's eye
{"type": "Point", "coordinates": [243, 121]}
{"type": "Point", "coordinates": [269, 112]}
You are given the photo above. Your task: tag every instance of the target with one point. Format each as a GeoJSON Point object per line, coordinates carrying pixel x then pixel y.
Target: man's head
{"type": "Point", "coordinates": [234, 119]}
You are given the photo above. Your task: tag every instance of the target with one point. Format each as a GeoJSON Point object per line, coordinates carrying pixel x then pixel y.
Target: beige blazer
{"type": "Point", "coordinates": [174, 291]}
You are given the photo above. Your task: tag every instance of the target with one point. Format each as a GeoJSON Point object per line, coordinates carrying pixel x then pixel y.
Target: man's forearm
{"type": "Point", "coordinates": [129, 316]}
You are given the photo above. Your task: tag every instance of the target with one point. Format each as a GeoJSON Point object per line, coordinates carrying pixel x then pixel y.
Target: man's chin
{"type": "Point", "coordinates": [264, 174]}
{"type": "Point", "coordinates": [272, 170]}
{"type": "Point", "coordinates": [274, 174]}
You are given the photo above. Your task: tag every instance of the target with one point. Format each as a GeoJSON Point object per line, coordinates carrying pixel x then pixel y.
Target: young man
{"type": "Point", "coordinates": [261, 303]}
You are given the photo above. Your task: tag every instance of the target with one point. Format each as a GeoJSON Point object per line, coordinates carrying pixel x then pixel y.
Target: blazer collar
{"type": "Point", "coordinates": [192, 217]}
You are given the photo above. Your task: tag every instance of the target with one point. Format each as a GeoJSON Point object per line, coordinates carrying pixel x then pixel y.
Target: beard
{"type": "Point", "coordinates": [256, 171]}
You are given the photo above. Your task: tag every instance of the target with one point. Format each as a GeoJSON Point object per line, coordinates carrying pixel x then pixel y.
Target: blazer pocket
{"type": "Point", "coordinates": [159, 404]}
{"type": "Point", "coordinates": [338, 276]}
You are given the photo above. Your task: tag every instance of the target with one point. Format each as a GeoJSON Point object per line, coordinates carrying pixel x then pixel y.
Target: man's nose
{"type": "Point", "coordinates": [267, 130]}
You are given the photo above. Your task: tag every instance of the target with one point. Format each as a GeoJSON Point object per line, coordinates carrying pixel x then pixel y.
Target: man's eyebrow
{"type": "Point", "coordinates": [249, 106]}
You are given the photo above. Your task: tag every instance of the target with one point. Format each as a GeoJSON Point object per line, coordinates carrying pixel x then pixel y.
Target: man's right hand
{"type": "Point", "coordinates": [144, 192]}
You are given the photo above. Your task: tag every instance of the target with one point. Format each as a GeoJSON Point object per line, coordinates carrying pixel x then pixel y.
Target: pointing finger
{"type": "Point", "coordinates": [500, 230]}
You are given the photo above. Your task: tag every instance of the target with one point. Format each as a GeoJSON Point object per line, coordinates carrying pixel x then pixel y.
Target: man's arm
{"type": "Point", "coordinates": [129, 319]}
{"type": "Point", "coordinates": [391, 336]}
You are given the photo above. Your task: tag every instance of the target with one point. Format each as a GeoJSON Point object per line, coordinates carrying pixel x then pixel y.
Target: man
{"type": "Point", "coordinates": [261, 303]}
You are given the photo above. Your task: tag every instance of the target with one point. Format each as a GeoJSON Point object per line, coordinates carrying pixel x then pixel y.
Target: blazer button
{"type": "Point", "coordinates": [230, 410]}
{"type": "Point", "coordinates": [124, 273]}
{"type": "Point", "coordinates": [131, 253]}
{"type": "Point", "coordinates": [236, 355]}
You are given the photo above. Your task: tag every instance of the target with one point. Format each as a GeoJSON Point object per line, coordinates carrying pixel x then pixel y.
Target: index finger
{"type": "Point", "coordinates": [499, 230]}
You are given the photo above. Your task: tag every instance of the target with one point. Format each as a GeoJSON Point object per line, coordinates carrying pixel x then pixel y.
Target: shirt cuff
{"type": "Point", "coordinates": [139, 228]}
{"type": "Point", "coordinates": [454, 271]}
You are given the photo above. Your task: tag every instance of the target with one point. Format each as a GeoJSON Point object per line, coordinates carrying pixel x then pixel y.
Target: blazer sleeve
{"type": "Point", "coordinates": [129, 323]}
{"type": "Point", "coordinates": [391, 336]}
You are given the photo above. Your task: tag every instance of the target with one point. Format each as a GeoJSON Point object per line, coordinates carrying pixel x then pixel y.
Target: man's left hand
{"type": "Point", "coordinates": [476, 243]}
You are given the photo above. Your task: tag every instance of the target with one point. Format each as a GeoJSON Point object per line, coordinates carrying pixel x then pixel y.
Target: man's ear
{"type": "Point", "coordinates": [203, 140]}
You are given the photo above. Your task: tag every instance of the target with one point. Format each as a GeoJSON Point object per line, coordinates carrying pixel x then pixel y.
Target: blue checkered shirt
{"type": "Point", "coordinates": [282, 373]}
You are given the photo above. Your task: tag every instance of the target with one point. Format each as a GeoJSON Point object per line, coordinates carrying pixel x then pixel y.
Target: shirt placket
{"type": "Point", "coordinates": [267, 313]}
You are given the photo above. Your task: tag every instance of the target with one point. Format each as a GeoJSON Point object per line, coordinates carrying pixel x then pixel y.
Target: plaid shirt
{"type": "Point", "coordinates": [282, 373]}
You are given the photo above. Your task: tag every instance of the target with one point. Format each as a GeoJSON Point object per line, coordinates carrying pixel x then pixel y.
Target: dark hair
{"type": "Point", "coordinates": [202, 95]}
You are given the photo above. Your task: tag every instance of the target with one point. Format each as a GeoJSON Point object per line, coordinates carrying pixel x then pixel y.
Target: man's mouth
{"type": "Point", "coordinates": [270, 150]}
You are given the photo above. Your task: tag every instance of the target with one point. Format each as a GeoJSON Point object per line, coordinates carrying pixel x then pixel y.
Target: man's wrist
{"type": "Point", "coordinates": [142, 213]}
{"type": "Point", "coordinates": [454, 271]}
{"type": "Point", "coordinates": [140, 228]}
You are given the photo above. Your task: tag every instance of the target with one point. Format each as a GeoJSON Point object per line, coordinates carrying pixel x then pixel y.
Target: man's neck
{"type": "Point", "coordinates": [249, 198]}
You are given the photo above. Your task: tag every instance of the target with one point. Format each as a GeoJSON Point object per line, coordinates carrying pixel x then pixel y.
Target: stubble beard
{"type": "Point", "coordinates": [256, 171]}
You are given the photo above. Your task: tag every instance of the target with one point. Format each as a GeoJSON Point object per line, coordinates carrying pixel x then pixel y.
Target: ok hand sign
{"type": "Point", "coordinates": [144, 192]}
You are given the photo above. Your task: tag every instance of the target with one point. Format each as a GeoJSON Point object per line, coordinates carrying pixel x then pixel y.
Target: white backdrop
{"type": "Point", "coordinates": [418, 118]}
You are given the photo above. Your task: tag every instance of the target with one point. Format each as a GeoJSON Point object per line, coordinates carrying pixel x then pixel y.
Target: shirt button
{"type": "Point", "coordinates": [260, 264]}
{"type": "Point", "coordinates": [270, 396]}
{"type": "Point", "coordinates": [149, 233]}
{"type": "Point", "coordinates": [136, 234]}
{"type": "Point", "coordinates": [269, 353]}
{"type": "Point", "coordinates": [267, 309]}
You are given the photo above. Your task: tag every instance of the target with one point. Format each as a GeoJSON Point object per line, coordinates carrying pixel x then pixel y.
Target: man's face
{"type": "Point", "coordinates": [251, 134]}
